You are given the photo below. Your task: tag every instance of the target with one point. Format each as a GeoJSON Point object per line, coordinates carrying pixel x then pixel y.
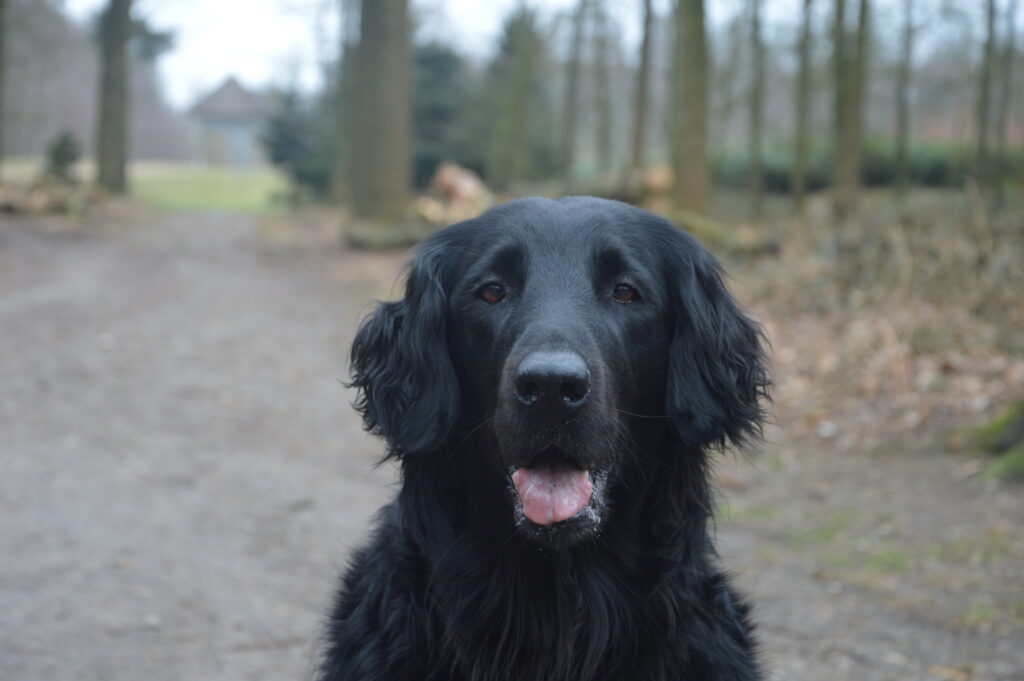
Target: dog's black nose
{"type": "Point", "coordinates": [554, 383]}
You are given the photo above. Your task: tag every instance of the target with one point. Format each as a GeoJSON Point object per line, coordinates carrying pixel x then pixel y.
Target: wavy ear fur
{"type": "Point", "coordinates": [717, 366]}
{"type": "Point", "coordinates": [408, 391]}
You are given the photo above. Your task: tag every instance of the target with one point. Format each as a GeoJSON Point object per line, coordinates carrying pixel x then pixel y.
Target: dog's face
{"type": "Point", "coordinates": [561, 336]}
{"type": "Point", "coordinates": [559, 332]}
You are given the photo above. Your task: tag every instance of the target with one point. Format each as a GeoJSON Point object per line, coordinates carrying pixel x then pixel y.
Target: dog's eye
{"type": "Point", "coordinates": [624, 293]}
{"type": "Point", "coordinates": [492, 292]}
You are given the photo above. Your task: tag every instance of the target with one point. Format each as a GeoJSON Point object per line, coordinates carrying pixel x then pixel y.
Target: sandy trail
{"type": "Point", "coordinates": [181, 479]}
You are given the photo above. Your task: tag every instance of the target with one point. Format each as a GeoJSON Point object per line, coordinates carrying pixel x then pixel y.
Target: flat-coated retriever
{"type": "Point", "coordinates": [553, 383]}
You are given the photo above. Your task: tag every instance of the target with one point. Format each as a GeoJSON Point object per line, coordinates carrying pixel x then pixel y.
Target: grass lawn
{"type": "Point", "coordinates": [181, 187]}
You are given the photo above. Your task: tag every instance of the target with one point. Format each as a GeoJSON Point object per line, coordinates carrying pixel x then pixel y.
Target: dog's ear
{"type": "Point", "coordinates": [408, 391]}
{"type": "Point", "coordinates": [717, 376]}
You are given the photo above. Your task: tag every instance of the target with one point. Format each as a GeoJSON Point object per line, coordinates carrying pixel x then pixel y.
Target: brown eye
{"type": "Point", "coordinates": [492, 292]}
{"type": "Point", "coordinates": [624, 293]}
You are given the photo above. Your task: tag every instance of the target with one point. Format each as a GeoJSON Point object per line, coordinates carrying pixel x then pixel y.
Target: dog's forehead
{"type": "Point", "coordinates": [551, 233]}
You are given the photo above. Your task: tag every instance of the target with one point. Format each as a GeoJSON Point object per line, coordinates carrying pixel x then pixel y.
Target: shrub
{"type": "Point", "coordinates": [929, 164]}
{"type": "Point", "coordinates": [62, 153]}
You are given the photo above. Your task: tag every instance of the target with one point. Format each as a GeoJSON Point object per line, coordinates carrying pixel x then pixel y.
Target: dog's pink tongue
{"type": "Point", "coordinates": [551, 495]}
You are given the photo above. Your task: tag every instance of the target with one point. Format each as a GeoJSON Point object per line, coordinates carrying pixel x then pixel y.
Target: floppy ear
{"type": "Point", "coordinates": [408, 391]}
{"type": "Point", "coordinates": [717, 366]}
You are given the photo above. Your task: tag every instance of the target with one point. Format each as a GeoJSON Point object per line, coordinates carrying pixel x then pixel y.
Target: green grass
{"type": "Point", "coordinates": [1009, 464]}
{"type": "Point", "coordinates": [186, 188]}
{"type": "Point", "coordinates": [183, 188]}
{"type": "Point", "coordinates": [179, 187]}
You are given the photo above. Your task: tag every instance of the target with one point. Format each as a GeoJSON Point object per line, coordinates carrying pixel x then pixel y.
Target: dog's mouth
{"type": "Point", "coordinates": [554, 492]}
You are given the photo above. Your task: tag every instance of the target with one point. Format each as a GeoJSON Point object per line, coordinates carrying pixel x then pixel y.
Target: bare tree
{"type": "Point", "coordinates": [1005, 93]}
{"type": "Point", "coordinates": [803, 106]}
{"type": "Point", "coordinates": [3, 74]}
{"type": "Point", "coordinates": [572, 87]}
{"type": "Point", "coordinates": [383, 117]}
{"type": "Point", "coordinates": [903, 73]}
{"type": "Point", "coordinates": [840, 82]}
{"type": "Point", "coordinates": [603, 129]}
{"type": "Point", "coordinates": [981, 157]}
{"type": "Point", "coordinates": [642, 96]}
{"type": "Point", "coordinates": [756, 110]}
{"type": "Point", "coordinates": [851, 117]}
{"type": "Point", "coordinates": [344, 106]}
{"type": "Point", "coordinates": [112, 126]}
{"type": "Point", "coordinates": [693, 173]}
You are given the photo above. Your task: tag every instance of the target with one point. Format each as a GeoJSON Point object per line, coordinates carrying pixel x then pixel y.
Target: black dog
{"type": "Point", "coordinates": [552, 383]}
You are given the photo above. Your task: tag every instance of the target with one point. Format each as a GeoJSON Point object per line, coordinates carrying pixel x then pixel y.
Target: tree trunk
{"type": "Point", "coordinates": [981, 156]}
{"type": "Point", "coordinates": [1005, 96]}
{"type": "Point", "coordinates": [602, 89]}
{"type": "Point", "coordinates": [640, 103]}
{"type": "Point", "coordinates": [345, 109]}
{"type": "Point", "coordinates": [851, 119]}
{"type": "Point", "coordinates": [693, 174]}
{"type": "Point", "coordinates": [903, 97]}
{"type": "Point", "coordinates": [3, 74]}
{"type": "Point", "coordinates": [112, 126]}
{"type": "Point", "coordinates": [572, 88]}
{"type": "Point", "coordinates": [756, 110]}
{"type": "Point", "coordinates": [803, 106]}
{"type": "Point", "coordinates": [841, 103]}
{"type": "Point", "coordinates": [380, 188]}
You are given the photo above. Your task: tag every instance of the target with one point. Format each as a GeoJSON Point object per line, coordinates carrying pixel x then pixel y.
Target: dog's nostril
{"type": "Point", "coordinates": [527, 390]}
{"type": "Point", "coordinates": [574, 389]}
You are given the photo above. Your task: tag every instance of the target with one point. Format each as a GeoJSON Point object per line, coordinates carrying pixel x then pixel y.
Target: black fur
{"type": "Point", "coordinates": [454, 584]}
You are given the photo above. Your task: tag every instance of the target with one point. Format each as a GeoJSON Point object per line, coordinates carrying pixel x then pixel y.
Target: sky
{"type": "Point", "coordinates": [279, 42]}
{"type": "Point", "coordinates": [264, 42]}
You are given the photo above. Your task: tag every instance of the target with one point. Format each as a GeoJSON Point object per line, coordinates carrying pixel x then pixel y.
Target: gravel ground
{"type": "Point", "coordinates": [181, 479]}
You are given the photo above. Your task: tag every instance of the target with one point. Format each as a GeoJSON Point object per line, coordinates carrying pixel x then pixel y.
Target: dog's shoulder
{"type": "Point", "coordinates": [373, 630]}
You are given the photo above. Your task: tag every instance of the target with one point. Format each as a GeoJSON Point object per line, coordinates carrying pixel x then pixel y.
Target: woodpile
{"type": "Point", "coordinates": [44, 196]}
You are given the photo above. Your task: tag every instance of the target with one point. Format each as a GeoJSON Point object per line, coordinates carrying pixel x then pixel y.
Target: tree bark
{"type": "Point", "coordinates": [981, 156]}
{"type": "Point", "coordinates": [803, 106]}
{"type": "Point", "coordinates": [344, 108]}
{"type": "Point", "coordinates": [572, 87]}
{"type": "Point", "coordinates": [3, 74]}
{"type": "Point", "coordinates": [693, 173]}
{"type": "Point", "coordinates": [381, 147]}
{"type": "Point", "coordinates": [640, 103]}
{"type": "Point", "coordinates": [112, 126]}
{"type": "Point", "coordinates": [850, 134]}
{"type": "Point", "coordinates": [903, 97]}
{"type": "Point", "coordinates": [841, 104]}
{"type": "Point", "coordinates": [1005, 95]}
{"type": "Point", "coordinates": [756, 110]}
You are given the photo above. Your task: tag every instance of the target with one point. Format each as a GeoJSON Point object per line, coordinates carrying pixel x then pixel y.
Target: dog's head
{"type": "Point", "coordinates": [566, 339]}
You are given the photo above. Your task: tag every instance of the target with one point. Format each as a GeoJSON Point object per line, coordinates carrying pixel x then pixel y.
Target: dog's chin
{"type": "Point", "coordinates": [556, 502]}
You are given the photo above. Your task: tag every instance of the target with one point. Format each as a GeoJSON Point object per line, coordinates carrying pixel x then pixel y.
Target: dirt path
{"type": "Point", "coordinates": [181, 478]}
